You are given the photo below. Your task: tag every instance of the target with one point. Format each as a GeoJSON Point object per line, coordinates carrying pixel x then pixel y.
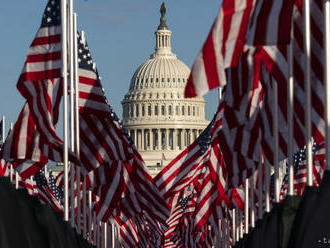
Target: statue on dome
{"type": "Point", "coordinates": [162, 24]}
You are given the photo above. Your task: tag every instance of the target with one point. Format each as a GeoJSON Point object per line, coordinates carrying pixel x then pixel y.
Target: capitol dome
{"type": "Point", "coordinates": [160, 121]}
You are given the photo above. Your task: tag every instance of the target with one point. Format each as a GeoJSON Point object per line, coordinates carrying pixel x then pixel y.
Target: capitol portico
{"type": "Point", "coordinates": [160, 121]}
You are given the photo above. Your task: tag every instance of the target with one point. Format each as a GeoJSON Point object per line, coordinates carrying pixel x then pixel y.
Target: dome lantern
{"type": "Point", "coordinates": [163, 36]}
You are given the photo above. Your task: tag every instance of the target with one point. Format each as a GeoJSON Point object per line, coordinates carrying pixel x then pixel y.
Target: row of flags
{"type": "Point", "coordinates": [202, 196]}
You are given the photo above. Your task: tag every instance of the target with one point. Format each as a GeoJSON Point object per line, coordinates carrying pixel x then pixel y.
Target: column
{"type": "Point", "coordinates": [159, 145]}
{"type": "Point", "coordinates": [138, 138]}
{"type": "Point", "coordinates": [167, 134]}
{"type": "Point", "coordinates": [190, 135]}
{"type": "Point", "coordinates": [182, 138]}
{"type": "Point", "coordinates": [135, 137]}
{"type": "Point", "coordinates": [175, 139]}
{"type": "Point", "coordinates": [151, 139]}
{"type": "Point", "coordinates": [142, 139]}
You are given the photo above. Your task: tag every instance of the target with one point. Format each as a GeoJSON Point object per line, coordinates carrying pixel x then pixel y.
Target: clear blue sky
{"type": "Point", "coordinates": [120, 34]}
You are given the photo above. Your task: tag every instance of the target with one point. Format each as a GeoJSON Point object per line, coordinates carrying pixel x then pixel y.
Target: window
{"type": "Point", "coordinates": [174, 80]}
{"type": "Point", "coordinates": [168, 80]}
{"type": "Point", "coordinates": [149, 110]}
{"type": "Point", "coordinates": [194, 111]}
{"type": "Point", "coordinates": [143, 110]}
{"type": "Point", "coordinates": [131, 110]}
{"type": "Point", "coordinates": [179, 80]}
{"type": "Point", "coordinates": [189, 110]}
{"type": "Point", "coordinates": [151, 80]}
{"type": "Point", "coordinates": [137, 110]}
{"type": "Point", "coordinates": [177, 110]}
{"type": "Point", "coordinates": [156, 80]}
{"type": "Point", "coordinates": [156, 110]}
{"type": "Point", "coordinates": [163, 110]}
{"type": "Point", "coordinates": [182, 110]}
{"type": "Point", "coordinates": [183, 80]}
{"type": "Point", "coordinates": [170, 109]}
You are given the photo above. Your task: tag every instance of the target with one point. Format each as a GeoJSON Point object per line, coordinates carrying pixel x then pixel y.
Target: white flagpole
{"type": "Point", "coordinates": [3, 129]}
{"type": "Point", "coordinates": [234, 225]}
{"type": "Point", "coordinates": [16, 179]}
{"type": "Point", "coordinates": [84, 209]}
{"type": "Point", "coordinates": [65, 108]}
{"type": "Point", "coordinates": [252, 198]}
{"type": "Point", "coordinates": [308, 105]}
{"type": "Point", "coordinates": [90, 213]}
{"type": "Point", "coordinates": [290, 113]}
{"type": "Point", "coordinates": [276, 143]}
{"type": "Point", "coordinates": [110, 235]}
{"type": "Point", "coordinates": [84, 180]}
{"type": "Point", "coordinates": [11, 170]}
{"type": "Point", "coordinates": [71, 77]}
{"type": "Point", "coordinates": [76, 111]}
{"type": "Point", "coordinates": [326, 9]}
{"type": "Point", "coordinates": [246, 205]}
{"type": "Point", "coordinates": [267, 185]}
{"type": "Point", "coordinates": [260, 187]}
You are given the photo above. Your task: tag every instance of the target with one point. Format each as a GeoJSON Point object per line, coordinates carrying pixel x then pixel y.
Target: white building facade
{"type": "Point", "coordinates": [160, 121]}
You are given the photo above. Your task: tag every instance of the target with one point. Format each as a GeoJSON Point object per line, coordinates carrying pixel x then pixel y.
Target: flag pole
{"type": "Point", "coordinates": [246, 205]}
{"type": "Point", "coordinates": [267, 184]}
{"type": "Point", "coordinates": [71, 77]}
{"type": "Point", "coordinates": [290, 90]}
{"type": "Point", "coordinates": [252, 197]}
{"type": "Point", "coordinates": [308, 105]}
{"type": "Point", "coordinates": [65, 108]}
{"type": "Point", "coordinates": [234, 225]}
{"type": "Point", "coordinates": [11, 170]}
{"type": "Point", "coordinates": [260, 185]}
{"type": "Point", "coordinates": [84, 180]}
{"type": "Point", "coordinates": [3, 128]}
{"type": "Point", "coordinates": [275, 145]}
{"type": "Point", "coordinates": [76, 111]}
{"type": "Point", "coordinates": [326, 8]}
{"type": "Point", "coordinates": [90, 213]}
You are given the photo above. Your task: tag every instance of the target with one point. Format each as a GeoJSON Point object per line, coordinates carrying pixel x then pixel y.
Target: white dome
{"type": "Point", "coordinates": [162, 72]}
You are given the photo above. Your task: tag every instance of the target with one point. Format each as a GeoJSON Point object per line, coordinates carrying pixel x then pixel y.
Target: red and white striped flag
{"type": "Point", "coordinates": [40, 80]}
{"type": "Point", "coordinates": [300, 171]}
{"type": "Point", "coordinates": [222, 48]}
{"type": "Point", "coordinates": [270, 23]}
{"type": "Point", "coordinates": [116, 169]}
{"type": "Point", "coordinates": [25, 147]}
{"type": "Point", "coordinates": [4, 168]}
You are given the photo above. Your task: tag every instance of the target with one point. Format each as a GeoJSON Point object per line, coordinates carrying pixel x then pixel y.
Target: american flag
{"type": "Point", "coordinates": [45, 193]}
{"type": "Point", "coordinates": [58, 192]}
{"type": "Point", "coordinates": [222, 47]}
{"type": "Point", "coordinates": [25, 147]}
{"type": "Point", "coordinates": [116, 169]}
{"type": "Point", "coordinates": [317, 68]}
{"type": "Point", "coordinates": [29, 184]}
{"type": "Point", "coordinates": [4, 168]}
{"type": "Point", "coordinates": [33, 140]}
{"type": "Point", "coordinates": [270, 23]}
{"type": "Point", "coordinates": [40, 80]}
{"type": "Point", "coordinates": [300, 170]}
{"type": "Point", "coordinates": [198, 168]}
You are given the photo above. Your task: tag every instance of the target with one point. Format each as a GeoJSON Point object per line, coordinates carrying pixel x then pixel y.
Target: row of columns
{"type": "Point", "coordinates": [136, 110]}
{"type": "Point", "coordinates": [163, 139]}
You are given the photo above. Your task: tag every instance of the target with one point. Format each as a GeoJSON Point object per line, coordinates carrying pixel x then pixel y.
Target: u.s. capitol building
{"type": "Point", "coordinates": [160, 121]}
